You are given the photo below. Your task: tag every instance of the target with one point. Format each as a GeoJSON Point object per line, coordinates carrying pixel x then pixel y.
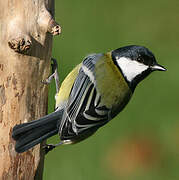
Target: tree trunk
{"type": "Point", "coordinates": [26, 29]}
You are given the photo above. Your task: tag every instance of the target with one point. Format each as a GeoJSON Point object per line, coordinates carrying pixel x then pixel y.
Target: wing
{"type": "Point", "coordinates": [84, 110]}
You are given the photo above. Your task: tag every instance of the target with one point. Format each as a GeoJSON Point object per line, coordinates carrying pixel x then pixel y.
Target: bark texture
{"type": "Point", "coordinates": [26, 29]}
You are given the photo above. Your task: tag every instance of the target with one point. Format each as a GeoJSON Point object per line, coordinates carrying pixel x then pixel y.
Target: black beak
{"type": "Point", "coordinates": [158, 67]}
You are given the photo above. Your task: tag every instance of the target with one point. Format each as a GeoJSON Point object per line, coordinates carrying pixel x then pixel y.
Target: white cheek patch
{"type": "Point", "coordinates": [131, 68]}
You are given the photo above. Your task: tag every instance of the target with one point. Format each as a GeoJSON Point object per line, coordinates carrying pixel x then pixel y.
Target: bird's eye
{"type": "Point", "coordinates": [140, 59]}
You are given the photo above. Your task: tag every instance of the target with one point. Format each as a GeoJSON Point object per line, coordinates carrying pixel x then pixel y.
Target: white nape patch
{"type": "Point", "coordinates": [88, 73]}
{"type": "Point", "coordinates": [131, 68]}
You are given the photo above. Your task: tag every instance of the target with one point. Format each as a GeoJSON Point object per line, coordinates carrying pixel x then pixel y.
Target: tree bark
{"type": "Point", "coordinates": [26, 29]}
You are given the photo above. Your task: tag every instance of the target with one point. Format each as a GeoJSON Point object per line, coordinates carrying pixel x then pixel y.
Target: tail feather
{"type": "Point", "coordinates": [32, 133]}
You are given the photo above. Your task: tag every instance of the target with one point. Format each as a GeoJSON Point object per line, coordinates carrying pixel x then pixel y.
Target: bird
{"type": "Point", "coordinates": [91, 95]}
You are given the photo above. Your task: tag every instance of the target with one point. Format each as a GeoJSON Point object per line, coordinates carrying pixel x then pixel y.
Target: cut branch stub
{"type": "Point", "coordinates": [20, 45]}
{"type": "Point", "coordinates": [53, 27]}
{"type": "Point", "coordinates": [47, 22]}
{"type": "Point", "coordinates": [19, 38]}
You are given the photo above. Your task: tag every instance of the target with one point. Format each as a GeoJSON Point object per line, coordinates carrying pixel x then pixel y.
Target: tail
{"type": "Point", "coordinates": [32, 133]}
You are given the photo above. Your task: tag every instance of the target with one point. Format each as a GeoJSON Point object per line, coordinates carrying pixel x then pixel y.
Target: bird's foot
{"type": "Point", "coordinates": [48, 147]}
{"type": "Point", "coordinates": [53, 75]}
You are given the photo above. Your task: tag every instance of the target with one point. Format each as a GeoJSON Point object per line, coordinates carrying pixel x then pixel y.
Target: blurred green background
{"type": "Point", "coordinates": [142, 142]}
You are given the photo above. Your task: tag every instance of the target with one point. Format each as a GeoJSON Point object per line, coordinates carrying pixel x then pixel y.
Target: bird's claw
{"type": "Point", "coordinates": [48, 147]}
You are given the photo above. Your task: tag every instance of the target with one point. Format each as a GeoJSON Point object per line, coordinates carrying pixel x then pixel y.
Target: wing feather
{"type": "Point", "coordinates": [84, 109]}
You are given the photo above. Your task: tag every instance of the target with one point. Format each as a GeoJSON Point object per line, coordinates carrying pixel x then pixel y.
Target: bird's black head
{"type": "Point", "coordinates": [135, 63]}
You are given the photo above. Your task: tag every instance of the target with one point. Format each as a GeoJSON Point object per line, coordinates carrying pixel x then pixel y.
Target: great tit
{"type": "Point", "coordinates": [92, 94]}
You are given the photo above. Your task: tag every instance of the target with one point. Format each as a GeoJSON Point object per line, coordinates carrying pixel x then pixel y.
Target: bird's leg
{"type": "Point", "coordinates": [56, 76]}
{"type": "Point", "coordinates": [49, 147]}
{"type": "Point", "coordinates": [53, 75]}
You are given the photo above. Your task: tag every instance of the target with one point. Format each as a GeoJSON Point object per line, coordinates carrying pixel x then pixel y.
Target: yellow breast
{"type": "Point", "coordinates": [111, 83]}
